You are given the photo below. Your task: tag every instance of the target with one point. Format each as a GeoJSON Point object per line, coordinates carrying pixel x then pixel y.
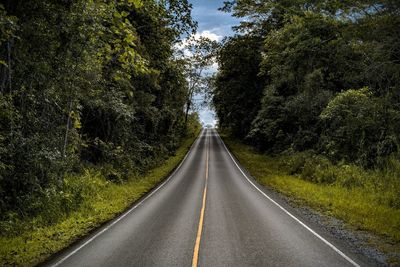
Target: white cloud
{"type": "Point", "coordinates": [207, 116]}
{"type": "Point", "coordinates": [208, 34]}
{"type": "Point", "coordinates": [182, 46]}
{"type": "Point", "coordinates": [205, 34]}
{"type": "Point", "coordinates": [214, 67]}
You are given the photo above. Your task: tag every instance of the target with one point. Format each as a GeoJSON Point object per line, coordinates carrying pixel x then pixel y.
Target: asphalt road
{"type": "Point", "coordinates": [209, 213]}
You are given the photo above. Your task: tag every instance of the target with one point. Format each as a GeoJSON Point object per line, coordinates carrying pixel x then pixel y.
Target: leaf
{"type": "Point", "coordinates": [136, 3]}
{"type": "Point", "coordinates": [117, 15]}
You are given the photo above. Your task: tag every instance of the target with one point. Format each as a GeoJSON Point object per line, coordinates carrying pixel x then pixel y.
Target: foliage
{"type": "Point", "coordinates": [237, 86]}
{"type": "Point", "coordinates": [359, 127]}
{"type": "Point", "coordinates": [88, 200]}
{"type": "Point", "coordinates": [197, 56]}
{"type": "Point", "coordinates": [326, 116]}
{"type": "Point", "coordinates": [86, 83]}
{"type": "Point", "coordinates": [313, 53]}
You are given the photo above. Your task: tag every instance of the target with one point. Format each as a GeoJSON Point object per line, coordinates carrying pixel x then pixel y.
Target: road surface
{"type": "Point", "coordinates": [209, 213]}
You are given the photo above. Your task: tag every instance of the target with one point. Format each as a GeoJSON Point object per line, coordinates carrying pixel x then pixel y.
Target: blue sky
{"type": "Point", "coordinates": [216, 25]}
{"type": "Point", "coordinates": [206, 13]}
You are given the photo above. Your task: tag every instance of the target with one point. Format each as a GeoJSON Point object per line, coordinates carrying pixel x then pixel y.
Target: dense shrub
{"type": "Point", "coordinates": [359, 127]}
{"type": "Point", "coordinates": [311, 57]}
{"type": "Point", "coordinates": [86, 83]}
{"type": "Point", "coordinates": [383, 183]}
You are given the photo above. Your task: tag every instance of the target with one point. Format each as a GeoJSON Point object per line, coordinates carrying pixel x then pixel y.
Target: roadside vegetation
{"type": "Point", "coordinates": [363, 199]}
{"type": "Point", "coordinates": [321, 76]}
{"type": "Point", "coordinates": [313, 87]}
{"type": "Point", "coordinates": [85, 202]}
{"type": "Point", "coordinates": [95, 109]}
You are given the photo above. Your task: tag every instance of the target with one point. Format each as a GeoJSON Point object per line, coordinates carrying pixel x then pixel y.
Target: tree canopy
{"type": "Point", "coordinates": [87, 83]}
{"type": "Point", "coordinates": [323, 76]}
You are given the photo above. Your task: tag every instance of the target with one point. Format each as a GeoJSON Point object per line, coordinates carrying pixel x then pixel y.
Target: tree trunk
{"type": "Point", "coordinates": [9, 64]}
{"type": "Point", "coordinates": [187, 112]}
{"type": "Point", "coordinates": [189, 103]}
{"type": "Point", "coordinates": [67, 130]}
{"type": "Point", "coordinates": [10, 86]}
{"type": "Point", "coordinates": [4, 78]}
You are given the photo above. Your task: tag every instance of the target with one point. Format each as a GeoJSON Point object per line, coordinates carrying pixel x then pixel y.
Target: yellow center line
{"type": "Point", "coordinates": [200, 229]}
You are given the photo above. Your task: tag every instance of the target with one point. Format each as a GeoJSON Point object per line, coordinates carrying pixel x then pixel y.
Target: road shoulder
{"type": "Point", "coordinates": [362, 244]}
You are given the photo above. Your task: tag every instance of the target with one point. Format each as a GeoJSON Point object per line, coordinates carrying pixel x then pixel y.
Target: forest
{"type": "Point", "coordinates": [86, 85]}
{"type": "Point", "coordinates": [319, 76]}
{"type": "Point", "coordinates": [308, 96]}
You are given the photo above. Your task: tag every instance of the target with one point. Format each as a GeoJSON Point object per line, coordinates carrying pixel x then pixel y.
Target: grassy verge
{"type": "Point", "coordinates": [365, 200]}
{"type": "Point", "coordinates": [102, 201]}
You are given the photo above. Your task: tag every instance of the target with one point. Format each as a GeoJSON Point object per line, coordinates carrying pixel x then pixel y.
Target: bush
{"type": "Point", "coordinates": [359, 128]}
{"type": "Point", "coordinates": [319, 169]}
{"type": "Point", "coordinates": [294, 163]}
{"type": "Point", "coordinates": [308, 166]}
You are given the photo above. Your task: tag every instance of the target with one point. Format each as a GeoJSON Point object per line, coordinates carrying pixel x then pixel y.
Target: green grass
{"type": "Point", "coordinates": [364, 200]}
{"type": "Point", "coordinates": [103, 200]}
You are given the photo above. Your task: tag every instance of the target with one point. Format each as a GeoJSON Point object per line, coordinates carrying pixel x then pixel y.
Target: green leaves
{"type": "Point", "coordinates": [86, 82]}
{"type": "Point", "coordinates": [312, 53]}
{"type": "Point", "coordinates": [136, 3]}
{"type": "Point", "coordinates": [359, 127]}
{"type": "Point", "coordinates": [238, 87]}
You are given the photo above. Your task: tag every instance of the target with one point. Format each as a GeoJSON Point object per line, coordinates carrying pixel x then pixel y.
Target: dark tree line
{"type": "Point", "coordinates": [313, 75]}
{"type": "Point", "coordinates": [87, 83]}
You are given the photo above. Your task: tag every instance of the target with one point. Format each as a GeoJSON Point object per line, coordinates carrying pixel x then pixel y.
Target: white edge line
{"type": "Point", "coordinates": [288, 213]}
{"type": "Point", "coordinates": [131, 209]}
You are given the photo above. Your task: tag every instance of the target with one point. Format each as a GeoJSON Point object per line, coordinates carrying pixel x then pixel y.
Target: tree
{"type": "Point", "coordinates": [90, 82]}
{"type": "Point", "coordinates": [312, 53]}
{"type": "Point", "coordinates": [238, 87]}
{"type": "Point", "coordinates": [359, 127]}
{"type": "Point", "coordinates": [197, 56]}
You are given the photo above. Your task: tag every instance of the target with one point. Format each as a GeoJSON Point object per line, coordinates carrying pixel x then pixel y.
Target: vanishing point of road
{"type": "Point", "coordinates": [209, 212]}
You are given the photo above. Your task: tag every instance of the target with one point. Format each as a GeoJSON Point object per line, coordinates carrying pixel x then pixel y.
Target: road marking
{"type": "Point", "coordinates": [201, 221]}
{"type": "Point", "coordinates": [288, 213]}
{"type": "Point", "coordinates": [131, 209]}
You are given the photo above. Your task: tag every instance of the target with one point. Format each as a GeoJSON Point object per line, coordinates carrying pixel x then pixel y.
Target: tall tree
{"type": "Point", "coordinates": [87, 82]}
{"type": "Point", "coordinates": [238, 87]}
{"type": "Point", "coordinates": [315, 56]}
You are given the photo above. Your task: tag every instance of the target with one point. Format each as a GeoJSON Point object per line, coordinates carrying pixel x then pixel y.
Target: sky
{"type": "Point", "coordinates": [215, 25]}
